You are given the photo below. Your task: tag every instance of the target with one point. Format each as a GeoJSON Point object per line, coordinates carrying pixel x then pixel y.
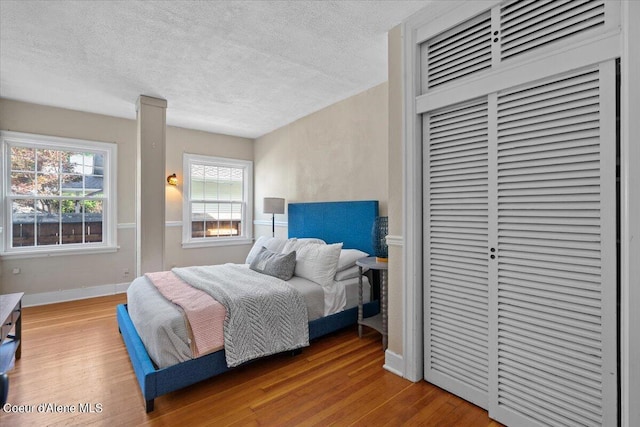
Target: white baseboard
{"type": "Point", "coordinates": [393, 363]}
{"type": "Point", "coordinates": [43, 298]}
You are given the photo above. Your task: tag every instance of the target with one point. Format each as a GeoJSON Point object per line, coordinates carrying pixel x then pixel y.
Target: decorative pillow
{"type": "Point", "coordinates": [274, 264]}
{"type": "Point", "coordinates": [348, 258]}
{"type": "Point", "coordinates": [294, 244]}
{"type": "Point", "coordinates": [318, 262]}
{"type": "Point", "coordinates": [274, 244]}
{"type": "Point", "coordinates": [349, 273]}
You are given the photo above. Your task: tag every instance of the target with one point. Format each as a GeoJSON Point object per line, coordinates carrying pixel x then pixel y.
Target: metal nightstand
{"type": "Point", "coordinates": [379, 321]}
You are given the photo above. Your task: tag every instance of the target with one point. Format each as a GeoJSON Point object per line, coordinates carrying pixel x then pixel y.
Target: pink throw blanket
{"type": "Point", "coordinates": [205, 315]}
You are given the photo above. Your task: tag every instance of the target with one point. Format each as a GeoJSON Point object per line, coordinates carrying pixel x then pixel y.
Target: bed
{"type": "Point", "coordinates": [348, 223]}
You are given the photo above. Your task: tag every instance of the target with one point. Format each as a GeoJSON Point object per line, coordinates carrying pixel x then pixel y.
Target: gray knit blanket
{"type": "Point", "coordinates": [265, 315]}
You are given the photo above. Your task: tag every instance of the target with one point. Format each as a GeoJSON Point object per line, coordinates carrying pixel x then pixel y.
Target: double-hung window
{"type": "Point", "coordinates": [58, 195]}
{"type": "Point", "coordinates": [217, 201]}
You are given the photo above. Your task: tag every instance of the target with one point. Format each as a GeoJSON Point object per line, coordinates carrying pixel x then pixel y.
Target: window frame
{"type": "Point", "coordinates": [108, 150]}
{"type": "Point", "coordinates": [246, 236]}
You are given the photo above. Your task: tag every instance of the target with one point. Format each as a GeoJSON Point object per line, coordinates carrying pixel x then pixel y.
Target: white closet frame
{"type": "Point", "coordinates": [622, 42]}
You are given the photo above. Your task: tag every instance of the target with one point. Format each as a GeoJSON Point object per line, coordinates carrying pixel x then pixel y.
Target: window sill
{"type": "Point", "coordinates": [207, 243]}
{"type": "Point", "coordinates": [58, 252]}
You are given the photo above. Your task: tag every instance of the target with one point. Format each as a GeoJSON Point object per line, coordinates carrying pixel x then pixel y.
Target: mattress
{"type": "Point", "coordinates": [162, 328]}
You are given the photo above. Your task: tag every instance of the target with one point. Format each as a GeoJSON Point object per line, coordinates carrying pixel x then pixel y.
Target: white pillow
{"type": "Point", "coordinates": [294, 244]}
{"type": "Point", "coordinates": [274, 244]}
{"type": "Point", "coordinates": [348, 258]}
{"type": "Point", "coordinates": [317, 262]}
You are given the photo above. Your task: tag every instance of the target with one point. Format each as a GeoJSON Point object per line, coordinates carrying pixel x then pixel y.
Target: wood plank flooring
{"type": "Point", "coordinates": [74, 357]}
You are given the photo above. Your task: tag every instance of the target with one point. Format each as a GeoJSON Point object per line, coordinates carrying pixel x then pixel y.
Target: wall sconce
{"type": "Point", "coordinates": [172, 179]}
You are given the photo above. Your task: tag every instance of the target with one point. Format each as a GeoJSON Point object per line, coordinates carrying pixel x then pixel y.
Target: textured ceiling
{"type": "Point", "coordinates": [235, 67]}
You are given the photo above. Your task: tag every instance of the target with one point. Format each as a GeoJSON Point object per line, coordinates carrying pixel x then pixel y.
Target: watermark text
{"type": "Point", "coordinates": [53, 408]}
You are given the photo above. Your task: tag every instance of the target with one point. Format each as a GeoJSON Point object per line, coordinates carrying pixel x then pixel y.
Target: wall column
{"type": "Point", "coordinates": [394, 355]}
{"type": "Point", "coordinates": [150, 188]}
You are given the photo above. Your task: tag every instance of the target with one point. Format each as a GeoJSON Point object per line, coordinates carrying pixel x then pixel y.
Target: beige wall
{"type": "Point", "coordinates": [179, 141]}
{"type": "Point", "coordinates": [338, 153]}
{"type": "Point", "coordinates": [346, 151]}
{"type": "Point", "coordinates": [72, 276]}
{"type": "Point", "coordinates": [63, 273]}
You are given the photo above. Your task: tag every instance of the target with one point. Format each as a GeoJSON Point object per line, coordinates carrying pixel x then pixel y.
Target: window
{"type": "Point", "coordinates": [217, 201]}
{"type": "Point", "coordinates": [58, 195]}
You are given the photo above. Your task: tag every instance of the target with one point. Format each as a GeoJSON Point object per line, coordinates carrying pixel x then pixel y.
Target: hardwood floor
{"type": "Point", "coordinates": [73, 357]}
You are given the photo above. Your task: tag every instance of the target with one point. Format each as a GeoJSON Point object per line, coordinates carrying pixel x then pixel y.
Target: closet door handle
{"type": "Point", "coordinates": [492, 256]}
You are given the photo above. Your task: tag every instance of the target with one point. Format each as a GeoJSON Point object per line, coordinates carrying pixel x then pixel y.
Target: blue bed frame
{"type": "Point", "coordinates": [334, 222]}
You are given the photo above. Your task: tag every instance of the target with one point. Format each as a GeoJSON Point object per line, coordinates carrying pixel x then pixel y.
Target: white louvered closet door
{"type": "Point", "coordinates": [555, 355]}
{"type": "Point", "coordinates": [518, 105]}
{"type": "Point", "coordinates": [520, 255]}
{"type": "Point", "coordinates": [456, 265]}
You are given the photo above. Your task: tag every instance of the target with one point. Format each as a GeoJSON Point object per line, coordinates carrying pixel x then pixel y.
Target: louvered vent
{"type": "Point", "coordinates": [458, 270]}
{"type": "Point", "coordinates": [529, 24]}
{"type": "Point", "coordinates": [459, 52]}
{"type": "Point", "coordinates": [549, 244]}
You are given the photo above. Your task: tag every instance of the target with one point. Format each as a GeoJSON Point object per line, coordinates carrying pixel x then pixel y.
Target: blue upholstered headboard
{"type": "Point", "coordinates": [335, 222]}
